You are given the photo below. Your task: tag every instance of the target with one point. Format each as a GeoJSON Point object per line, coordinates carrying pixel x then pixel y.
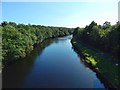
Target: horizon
{"type": "Point", "coordinates": [60, 14]}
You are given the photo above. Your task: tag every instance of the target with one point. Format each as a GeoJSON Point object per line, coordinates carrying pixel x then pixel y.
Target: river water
{"type": "Point", "coordinates": [52, 64]}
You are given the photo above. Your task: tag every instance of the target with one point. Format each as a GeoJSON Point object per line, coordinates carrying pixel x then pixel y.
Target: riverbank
{"type": "Point", "coordinates": [104, 68]}
{"type": "Point", "coordinates": [52, 64]}
{"type": "Point", "coordinates": [35, 46]}
{"type": "Point", "coordinates": [18, 40]}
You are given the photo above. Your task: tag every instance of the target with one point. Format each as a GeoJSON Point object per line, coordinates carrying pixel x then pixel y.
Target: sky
{"type": "Point", "coordinates": [63, 14]}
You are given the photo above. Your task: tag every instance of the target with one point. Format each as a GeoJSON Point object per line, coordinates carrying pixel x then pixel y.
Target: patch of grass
{"type": "Point", "coordinates": [106, 67]}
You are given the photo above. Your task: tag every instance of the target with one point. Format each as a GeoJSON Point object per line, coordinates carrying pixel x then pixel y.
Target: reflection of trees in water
{"type": "Point", "coordinates": [80, 55]}
{"type": "Point", "coordinates": [59, 40]}
{"type": "Point", "coordinates": [63, 39]}
{"type": "Point", "coordinates": [14, 74]}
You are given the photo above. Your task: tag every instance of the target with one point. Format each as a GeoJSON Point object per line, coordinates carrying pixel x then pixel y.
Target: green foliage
{"type": "Point", "coordinates": [106, 67]}
{"type": "Point", "coordinates": [106, 25]}
{"type": "Point", "coordinates": [19, 40]}
{"type": "Point", "coordinates": [105, 38]}
{"type": "Point", "coordinates": [13, 43]}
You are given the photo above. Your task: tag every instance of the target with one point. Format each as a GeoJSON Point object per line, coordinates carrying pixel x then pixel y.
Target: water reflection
{"type": "Point", "coordinates": [15, 73]}
{"type": "Point", "coordinates": [53, 64]}
{"type": "Point", "coordinates": [90, 68]}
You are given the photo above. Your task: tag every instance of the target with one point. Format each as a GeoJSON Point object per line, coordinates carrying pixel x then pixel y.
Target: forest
{"type": "Point", "coordinates": [18, 40]}
{"type": "Point", "coordinates": [99, 48]}
{"type": "Point", "coordinates": [104, 37]}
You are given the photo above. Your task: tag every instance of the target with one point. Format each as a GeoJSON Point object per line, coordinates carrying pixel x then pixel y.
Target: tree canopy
{"type": "Point", "coordinates": [18, 40]}
{"type": "Point", "coordinates": [106, 37]}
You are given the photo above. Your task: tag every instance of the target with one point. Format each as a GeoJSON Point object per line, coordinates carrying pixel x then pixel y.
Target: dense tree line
{"type": "Point", "coordinates": [18, 40]}
{"type": "Point", "coordinates": [105, 37]}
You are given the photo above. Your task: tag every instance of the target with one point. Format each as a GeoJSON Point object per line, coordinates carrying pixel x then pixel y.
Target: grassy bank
{"type": "Point", "coordinates": [105, 67]}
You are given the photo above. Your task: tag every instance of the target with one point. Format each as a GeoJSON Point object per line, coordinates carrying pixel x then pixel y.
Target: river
{"type": "Point", "coordinates": [52, 64]}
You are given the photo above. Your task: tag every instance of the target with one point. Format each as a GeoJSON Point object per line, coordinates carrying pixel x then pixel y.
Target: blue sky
{"type": "Point", "coordinates": [65, 14]}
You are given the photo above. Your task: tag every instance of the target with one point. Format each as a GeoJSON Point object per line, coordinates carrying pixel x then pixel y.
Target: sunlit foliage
{"type": "Point", "coordinates": [18, 40]}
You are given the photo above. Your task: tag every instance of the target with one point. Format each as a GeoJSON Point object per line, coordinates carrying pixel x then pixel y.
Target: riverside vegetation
{"type": "Point", "coordinates": [18, 40]}
{"type": "Point", "coordinates": [100, 46]}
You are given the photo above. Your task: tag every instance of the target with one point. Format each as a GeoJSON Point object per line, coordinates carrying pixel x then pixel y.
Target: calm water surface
{"type": "Point", "coordinates": [53, 64]}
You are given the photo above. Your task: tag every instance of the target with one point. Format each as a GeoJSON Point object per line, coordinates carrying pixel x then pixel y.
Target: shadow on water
{"type": "Point", "coordinates": [13, 75]}
{"type": "Point", "coordinates": [63, 39]}
{"type": "Point", "coordinates": [54, 63]}
{"type": "Point", "coordinates": [99, 76]}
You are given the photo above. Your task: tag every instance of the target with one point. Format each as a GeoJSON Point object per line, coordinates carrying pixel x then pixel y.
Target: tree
{"type": "Point", "coordinates": [106, 39]}
{"type": "Point", "coordinates": [4, 23]}
{"type": "Point", "coordinates": [106, 24]}
{"type": "Point", "coordinates": [19, 40]}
